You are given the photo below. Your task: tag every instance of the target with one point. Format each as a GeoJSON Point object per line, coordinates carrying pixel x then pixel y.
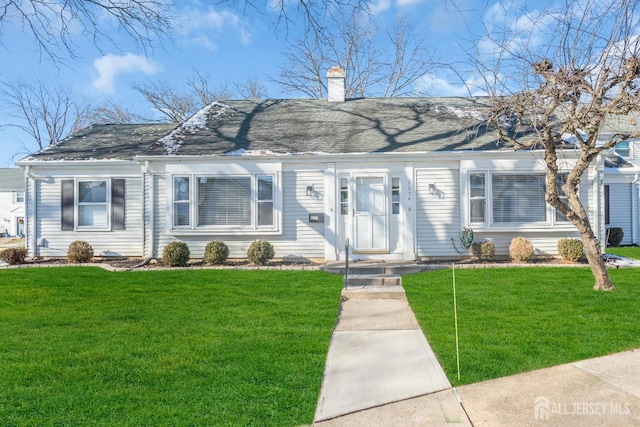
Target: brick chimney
{"type": "Point", "coordinates": [335, 83]}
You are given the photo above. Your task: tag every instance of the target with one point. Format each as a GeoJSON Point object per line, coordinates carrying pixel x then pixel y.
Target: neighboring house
{"type": "Point", "coordinates": [622, 190]}
{"type": "Point", "coordinates": [398, 178]}
{"type": "Point", "coordinates": [12, 220]}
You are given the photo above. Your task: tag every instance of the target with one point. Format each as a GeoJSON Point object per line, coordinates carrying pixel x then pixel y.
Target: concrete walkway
{"type": "Point", "coordinates": [380, 369]}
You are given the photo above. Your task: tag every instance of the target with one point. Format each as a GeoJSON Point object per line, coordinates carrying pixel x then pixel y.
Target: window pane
{"type": "Point", "coordinates": [180, 188]}
{"type": "Point", "coordinates": [92, 192]}
{"type": "Point", "coordinates": [224, 201]}
{"type": "Point", "coordinates": [518, 198]}
{"type": "Point", "coordinates": [265, 213]}
{"type": "Point", "coordinates": [181, 214]}
{"type": "Point", "coordinates": [560, 181]}
{"type": "Point", "coordinates": [476, 181]}
{"type": "Point", "coordinates": [92, 215]}
{"type": "Point", "coordinates": [622, 149]}
{"type": "Point", "coordinates": [344, 196]}
{"type": "Point", "coordinates": [478, 210]}
{"type": "Point", "coordinates": [478, 201]}
{"type": "Point", "coordinates": [265, 188]}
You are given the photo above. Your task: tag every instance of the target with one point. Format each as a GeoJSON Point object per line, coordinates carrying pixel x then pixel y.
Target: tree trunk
{"type": "Point", "coordinates": [596, 262]}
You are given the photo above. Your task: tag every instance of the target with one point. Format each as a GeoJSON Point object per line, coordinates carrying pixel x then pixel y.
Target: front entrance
{"type": "Point", "coordinates": [364, 210]}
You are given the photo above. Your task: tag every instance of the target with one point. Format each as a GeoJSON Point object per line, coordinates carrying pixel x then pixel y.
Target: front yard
{"type": "Point", "coordinates": [514, 320]}
{"type": "Point", "coordinates": [81, 345]}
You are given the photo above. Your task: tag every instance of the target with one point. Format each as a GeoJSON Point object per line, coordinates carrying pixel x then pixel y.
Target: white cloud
{"type": "Point", "coordinates": [409, 2]}
{"type": "Point", "coordinates": [380, 6]}
{"type": "Point", "coordinates": [198, 25]}
{"type": "Point", "coordinates": [432, 85]}
{"type": "Point", "coordinates": [110, 66]}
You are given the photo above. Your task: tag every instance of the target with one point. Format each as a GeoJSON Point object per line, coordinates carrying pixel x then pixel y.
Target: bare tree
{"type": "Point", "coordinates": [391, 70]}
{"type": "Point", "coordinates": [47, 114]}
{"type": "Point", "coordinates": [178, 106]}
{"type": "Point", "coordinates": [108, 111]}
{"type": "Point", "coordinates": [586, 78]}
{"type": "Point", "coordinates": [251, 88]}
{"type": "Point", "coordinates": [54, 24]}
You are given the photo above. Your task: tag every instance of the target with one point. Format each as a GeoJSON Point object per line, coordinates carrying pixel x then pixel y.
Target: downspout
{"type": "Point", "coordinates": [34, 207]}
{"type": "Point", "coordinates": [152, 209]}
{"type": "Point", "coordinates": [598, 188]}
{"type": "Point", "coordinates": [635, 218]}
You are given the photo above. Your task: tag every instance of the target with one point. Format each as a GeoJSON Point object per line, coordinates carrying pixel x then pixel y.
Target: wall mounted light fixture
{"type": "Point", "coordinates": [310, 190]}
{"type": "Point", "coordinates": [432, 188]}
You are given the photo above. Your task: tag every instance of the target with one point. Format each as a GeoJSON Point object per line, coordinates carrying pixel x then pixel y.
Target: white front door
{"type": "Point", "coordinates": [370, 214]}
{"type": "Point", "coordinates": [364, 211]}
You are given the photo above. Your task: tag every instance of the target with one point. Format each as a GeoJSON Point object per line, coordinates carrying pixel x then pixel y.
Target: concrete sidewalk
{"type": "Point", "coordinates": [380, 370]}
{"type": "Point", "coordinates": [604, 391]}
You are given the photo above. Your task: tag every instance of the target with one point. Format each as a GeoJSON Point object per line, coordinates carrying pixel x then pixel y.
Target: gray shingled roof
{"type": "Point", "coordinates": [114, 142]}
{"type": "Point", "coordinates": [295, 126]}
{"type": "Point", "coordinates": [11, 179]}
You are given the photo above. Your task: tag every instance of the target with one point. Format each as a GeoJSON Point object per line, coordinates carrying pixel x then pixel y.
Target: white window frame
{"type": "Point", "coordinates": [489, 223]}
{"type": "Point", "coordinates": [106, 204]}
{"type": "Point", "coordinates": [253, 228]}
{"type": "Point", "coordinates": [18, 196]}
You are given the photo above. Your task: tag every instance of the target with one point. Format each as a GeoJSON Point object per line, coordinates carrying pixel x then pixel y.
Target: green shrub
{"type": "Point", "coordinates": [614, 236]}
{"type": "Point", "coordinates": [13, 256]}
{"type": "Point", "coordinates": [79, 251]}
{"type": "Point", "coordinates": [216, 252]}
{"type": "Point", "coordinates": [176, 254]}
{"type": "Point", "coordinates": [570, 249]}
{"type": "Point", "coordinates": [483, 250]}
{"type": "Point", "coordinates": [260, 252]}
{"type": "Point", "coordinates": [521, 249]}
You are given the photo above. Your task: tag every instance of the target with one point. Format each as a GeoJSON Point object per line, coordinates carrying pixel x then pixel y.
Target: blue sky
{"type": "Point", "coordinates": [231, 45]}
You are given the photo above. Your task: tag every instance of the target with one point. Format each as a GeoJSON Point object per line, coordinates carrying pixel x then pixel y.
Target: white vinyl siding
{"type": "Point", "coordinates": [620, 209]}
{"type": "Point", "coordinates": [437, 212]}
{"type": "Point", "coordinates": [54, 242]}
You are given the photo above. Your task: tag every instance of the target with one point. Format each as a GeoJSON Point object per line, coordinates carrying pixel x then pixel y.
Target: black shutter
{"type": "Point", "coordinates": [66, 205]}
{"type": "Point", "coordinates": [117, 204]}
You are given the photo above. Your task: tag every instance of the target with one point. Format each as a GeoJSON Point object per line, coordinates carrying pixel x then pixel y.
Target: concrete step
{"type": "Point", "coordinates": [373, 292]}
{"type": "Point", "coordinates": [401, 268]}
{"type": "Point", "coordinates": [374, 280]}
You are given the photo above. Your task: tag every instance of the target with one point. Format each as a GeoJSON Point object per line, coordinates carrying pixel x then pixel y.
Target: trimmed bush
{"type": "Point", "coordinates": [13, 256]}
{"type": "Point", "coordinates": [79, 251]}
{"type": "Point", "coordinates": [260, 252]}
{"type": "Point", "coordinates": [570, 249]}
{"type": "Point", "coordinates": [216, 252]}
{"type": "Point", "coordinates": [614, 236]}
{"type": "Point", "coordinates": [483, 250]}
{"type": "Point", "coordinates": [521, 249]}
{"type": "Point", "coordinates": [176, 254]}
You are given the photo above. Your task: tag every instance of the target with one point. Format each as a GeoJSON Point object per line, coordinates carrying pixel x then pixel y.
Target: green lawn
{"type": "Point", "coordinates": [626, 251]}
{"type": "Point", "coordinates": [200, 347]}
{"type": "Point", "coordinates": [513, 320]}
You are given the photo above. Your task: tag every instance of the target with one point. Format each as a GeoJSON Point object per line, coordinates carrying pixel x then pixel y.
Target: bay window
{"type": "Point", "coordinates": [502, 199]}
{"type": "Point", "coordinates": [224, 202]}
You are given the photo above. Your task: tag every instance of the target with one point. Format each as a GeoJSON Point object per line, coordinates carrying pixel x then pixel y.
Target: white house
{"type": "Point", "coordinates": [396, 178]}
{"type": "Point", "coordinates": [622, 190]}
{"type": "Point", "coordinates": [12, 186]}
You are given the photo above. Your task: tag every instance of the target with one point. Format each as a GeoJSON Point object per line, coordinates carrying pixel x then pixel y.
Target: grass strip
{"type": "Point", "coordinates": [513, 320]}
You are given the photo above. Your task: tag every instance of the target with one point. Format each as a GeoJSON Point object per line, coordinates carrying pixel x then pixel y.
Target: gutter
{"type": "Point", "coordinates": [34, 207]}
{"type": "Point", "coordinates": [152, 210]}
{"type": "Point", "coordinates": [635, 215]}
